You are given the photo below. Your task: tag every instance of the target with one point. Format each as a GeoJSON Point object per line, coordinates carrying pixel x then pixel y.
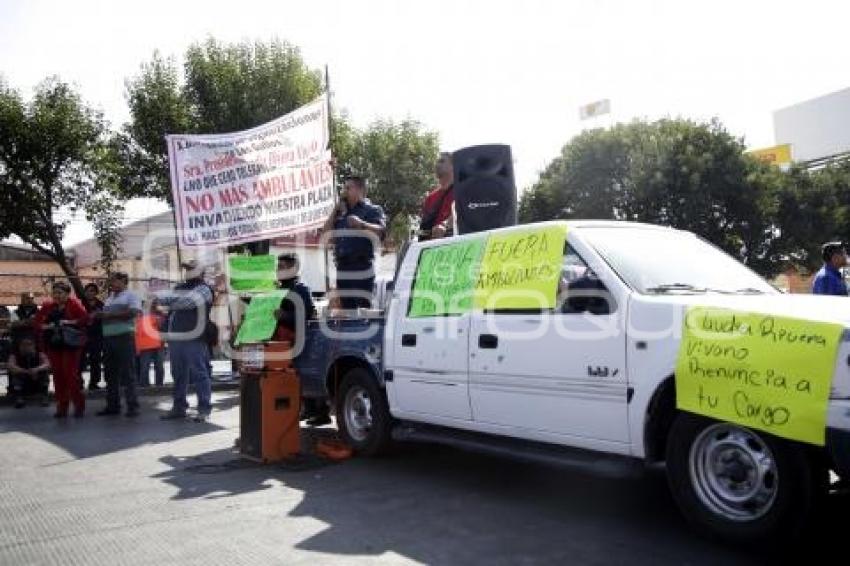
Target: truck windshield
{"type": "Point", "coordinates": [656, 261]}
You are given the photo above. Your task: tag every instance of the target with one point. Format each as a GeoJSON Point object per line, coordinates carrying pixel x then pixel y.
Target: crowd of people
{"type": "Point", "coordinates": [117, 339]}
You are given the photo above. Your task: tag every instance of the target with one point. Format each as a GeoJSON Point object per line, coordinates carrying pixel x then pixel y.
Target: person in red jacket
{"type": "Point", "coordinates": [436, 217]}
{"type": "Point", "coordinates": [61, 324]}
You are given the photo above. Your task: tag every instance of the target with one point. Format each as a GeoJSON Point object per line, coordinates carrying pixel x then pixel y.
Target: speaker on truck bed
{"type": "Point", "coordinates": [484, 189]}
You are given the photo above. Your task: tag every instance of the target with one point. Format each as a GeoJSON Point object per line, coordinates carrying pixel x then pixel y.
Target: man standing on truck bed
{"type": "Point", "coordinates": [360, 223]}
{"type": "Point", "coordinates": [437, 208]}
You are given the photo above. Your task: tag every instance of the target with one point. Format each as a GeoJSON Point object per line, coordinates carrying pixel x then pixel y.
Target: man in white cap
{"type": "Point", "coordinates": [186, 333]}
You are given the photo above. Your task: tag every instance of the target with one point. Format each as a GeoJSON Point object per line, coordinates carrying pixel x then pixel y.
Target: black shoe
{"type": "Point", "coordinates": [132, 412]}
{"type": "Point", "coordinates": [44, 401]}
{"type": "Point", "coordinates": [172, 416]}
{"type": "Point", "coordinates": [108, 412]}
{"type": "Point", "coordinates": [319, 420]}
{"type": "Point", "coordinates": [60, 415]}
{"type": "Point", "coordinates": [201, 417]}
{"type": "Point", "coordinates": [94, 387]}
{"type": "Point", "coordinates": [20, 403]}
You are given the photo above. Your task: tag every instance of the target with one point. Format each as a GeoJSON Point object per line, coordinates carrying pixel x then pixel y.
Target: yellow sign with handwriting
{"type": "Point", "coordinates": [761, 371]}
{"type": "Point", "coordinates": [521, 269]}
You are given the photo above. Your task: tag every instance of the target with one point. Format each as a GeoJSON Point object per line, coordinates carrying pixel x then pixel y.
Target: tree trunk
{"type": "Point", "coordinates": [71, 273]}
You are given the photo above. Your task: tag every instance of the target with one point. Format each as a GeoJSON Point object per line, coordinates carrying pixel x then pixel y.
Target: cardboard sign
{"type": "Point", "coordinates": [260, 323]}
{"type": "Point", "coordinates": [521, 269]}
{"type": "Point", "coordinates": [445, 279]}
{"type": "Point", "coordinates": [761, 371]}
{"type": "Point", "coordinates": [253, 273]}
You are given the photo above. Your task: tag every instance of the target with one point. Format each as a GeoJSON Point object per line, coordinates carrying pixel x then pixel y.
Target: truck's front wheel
{"type": "Point", "coordinates": [737, 483]}
{"type": "Point", "coordinates": [362, 413]}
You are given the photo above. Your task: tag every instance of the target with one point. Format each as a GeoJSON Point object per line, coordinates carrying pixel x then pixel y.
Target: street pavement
{"type": "Point", "coordinates": [144, 491]}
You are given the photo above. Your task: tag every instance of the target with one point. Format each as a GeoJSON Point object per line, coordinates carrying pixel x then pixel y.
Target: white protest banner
{"type": "Point", "coordinates": [262, 183]}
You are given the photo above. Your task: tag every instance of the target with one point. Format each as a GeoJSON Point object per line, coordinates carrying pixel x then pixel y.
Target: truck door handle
{"type": "Point", "coordinates": [408, 339]}
{"type": "Point", "coordinates": [488, 341]}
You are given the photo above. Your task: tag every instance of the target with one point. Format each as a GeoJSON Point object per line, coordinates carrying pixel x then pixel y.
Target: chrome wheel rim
{"type": "Point", "coordinates": [733, 472]}
{"type": "Point", "coordinates": [358, 413]}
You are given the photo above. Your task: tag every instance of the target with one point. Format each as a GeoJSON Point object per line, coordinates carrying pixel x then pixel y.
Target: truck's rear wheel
{"type": "Point", "coordinates": [737, 483]}
{"type": "Point", "coordinates": [362, 413]}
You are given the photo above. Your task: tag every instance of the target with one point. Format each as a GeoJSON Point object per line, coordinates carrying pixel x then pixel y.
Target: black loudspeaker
{"type": "Point", "coordinates": [484, 188]}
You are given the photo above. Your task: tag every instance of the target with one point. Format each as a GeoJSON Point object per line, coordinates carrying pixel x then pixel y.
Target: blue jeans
{"type": "Point", "coordinates": [190, 363]}
{"type": "Point", "coordinates": [146, 358]}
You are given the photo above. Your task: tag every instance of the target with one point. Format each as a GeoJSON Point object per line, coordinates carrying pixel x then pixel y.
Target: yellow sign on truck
{"type": "Point", "coordinates": [761, 371]}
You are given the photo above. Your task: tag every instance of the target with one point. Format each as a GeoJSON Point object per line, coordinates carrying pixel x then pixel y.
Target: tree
{"type": "Point", "coordinates": [396, 159]}
{"type": "Point", "coordinates": [56, 158]}
{"type": "Point", "coordinates": [813, 207]}
{"type": "Point", "coordinates": [222, 88]}
{"type": "Point", "coordinates": [688, 175]}
{"type": "Point", "coordinates": [226, 88]}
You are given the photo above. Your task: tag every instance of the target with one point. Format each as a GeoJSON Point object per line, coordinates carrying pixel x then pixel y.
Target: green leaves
{"type": "Point", "coordinates": [397, 160]}
{"type": "Point", "coordinates": [56, 156]}
{"type": "Point", "coordinates": [695, 176]}
{"type": "Point", "coordinates": [221, 88]}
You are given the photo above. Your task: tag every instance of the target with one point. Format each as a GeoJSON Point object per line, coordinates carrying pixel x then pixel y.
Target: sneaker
{"type": "Point", "coordinates": [108, 412]}
{"type": "Point", "coordinates": [94, 386]}
{"type": "Point", "coordinates": [201, 418]}
{"type": "Point", "coordinates": [132, 412]}
{"type": "Point", "coordinates": [172, 416]}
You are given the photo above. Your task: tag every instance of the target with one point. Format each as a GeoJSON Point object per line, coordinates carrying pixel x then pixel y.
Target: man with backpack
{"type": "Point", "coordinates": [187, 334]}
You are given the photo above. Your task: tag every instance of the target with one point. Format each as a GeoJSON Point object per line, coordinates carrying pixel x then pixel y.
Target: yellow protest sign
{"type": "Point", "coordinates": [761, 371]}
{"type": "Point", "coordinates": [521, 269]}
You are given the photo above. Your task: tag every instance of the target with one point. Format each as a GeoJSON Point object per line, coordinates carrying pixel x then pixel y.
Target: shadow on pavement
{"type": "Point", "coordinates": [441, 505]}
{"type": "Point", "coordinates": [94, 436]}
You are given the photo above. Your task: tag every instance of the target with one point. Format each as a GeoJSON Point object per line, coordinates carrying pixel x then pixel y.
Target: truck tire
{"type": "Point", "coordinates": [362, 413]}
{"type": "Point", "coordinates": [739, 484]}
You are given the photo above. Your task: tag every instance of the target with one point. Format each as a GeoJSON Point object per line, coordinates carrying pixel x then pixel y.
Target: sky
{"type": "Point", "coordinates": [473, 71]}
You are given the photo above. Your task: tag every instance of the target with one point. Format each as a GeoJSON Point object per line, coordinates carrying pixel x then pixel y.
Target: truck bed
{"type": "Point", "coordinates": [328, 340]}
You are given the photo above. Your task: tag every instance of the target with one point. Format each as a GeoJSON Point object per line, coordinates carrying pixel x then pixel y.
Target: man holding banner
{"type": "Point", "coordinates": [358, 226]}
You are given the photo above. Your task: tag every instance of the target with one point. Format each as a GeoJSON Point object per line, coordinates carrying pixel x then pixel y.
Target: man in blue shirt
{"type": "Point", "coordinates": [358, 225]}
{"type": "Point", "coordinates": [829, 280]}
{"type": "Point", "coordinates": [189, 307]}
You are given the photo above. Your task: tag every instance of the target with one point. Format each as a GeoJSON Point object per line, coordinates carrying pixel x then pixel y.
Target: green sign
{"type": "Point", "coordinates": [445, 279]}
{"type": "Point", "coordinates": [260, 323]}
{"type": "Point", "coordinates": [253, 273]}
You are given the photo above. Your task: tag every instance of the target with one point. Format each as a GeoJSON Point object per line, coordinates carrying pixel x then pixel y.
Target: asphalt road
{"type": "Point", "coordinates": [123, 491]}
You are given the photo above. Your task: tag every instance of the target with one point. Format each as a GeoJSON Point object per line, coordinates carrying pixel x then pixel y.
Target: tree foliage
{"type": "Point", "coordinates": [221, 88]}
{"type": "Point", "coordinates": [397, 160]}
{"type": "Point", "coordinates": [693, 176]}
{"type": "Point", "coordinates": [56, 158]}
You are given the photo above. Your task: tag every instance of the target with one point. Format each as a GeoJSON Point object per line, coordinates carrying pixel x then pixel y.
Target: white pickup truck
{"type": "Point", "coordinates": [595, 372]}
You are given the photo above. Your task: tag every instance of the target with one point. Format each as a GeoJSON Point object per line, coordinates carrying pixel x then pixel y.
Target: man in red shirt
{"type": "Point", "coordinates": [437, 209]}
